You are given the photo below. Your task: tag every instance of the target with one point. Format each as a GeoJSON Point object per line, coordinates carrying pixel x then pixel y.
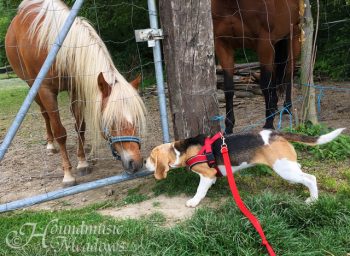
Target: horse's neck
{"type": "Point", "coordinates": [224, 7]}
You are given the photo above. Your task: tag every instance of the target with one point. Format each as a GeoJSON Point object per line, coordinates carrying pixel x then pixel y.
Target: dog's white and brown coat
{"type": "Point", "coordinates": [266, 147]}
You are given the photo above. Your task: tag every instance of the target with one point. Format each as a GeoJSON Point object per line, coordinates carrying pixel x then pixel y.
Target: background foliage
{"type": "Point", "coordinates": [333, 41]}
{"type": "Point", "coordinates": [116, 21]}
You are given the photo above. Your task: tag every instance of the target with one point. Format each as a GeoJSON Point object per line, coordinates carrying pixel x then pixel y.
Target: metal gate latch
{"type": "Point", "coordinates": [150, 35]}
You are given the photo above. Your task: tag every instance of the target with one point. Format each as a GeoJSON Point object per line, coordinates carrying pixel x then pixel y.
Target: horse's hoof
{"type": "Point", "coordinates": [68, 184]}
{"type": "Point", "coordinates": [84, 171]}
{"type": "Point", "coordinates": [50, 147]}
{"type": "Point", "coordinates": [51, 152]}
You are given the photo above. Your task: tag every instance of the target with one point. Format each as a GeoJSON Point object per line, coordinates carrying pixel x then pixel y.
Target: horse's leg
{"type": "Point", "coordinates": [224, 53]}
{"type": "Point", "coordinates": [283, 76]}
{"type": "Point", "coordinates": [267, 83]}
{"type": "Point", "coordinates": [49, 102]}
{"type": "Point", "coordinates": [83, 165]}
{"type": "Point", "coordinates": [294, 48]}
{"type": "Point", "coordinates": [49, 136]}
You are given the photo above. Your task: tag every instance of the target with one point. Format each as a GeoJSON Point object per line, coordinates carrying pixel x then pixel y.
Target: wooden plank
{"type": "Point", "coordinates": [242, 66]}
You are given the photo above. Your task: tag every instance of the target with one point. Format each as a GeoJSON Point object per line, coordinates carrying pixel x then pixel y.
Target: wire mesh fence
{"type": "Point", "coordinates": [331, 64]}
{"type": "Point", "coordinates": [41, 169]}
{"type": "Point", "coordinates": [29, 169]}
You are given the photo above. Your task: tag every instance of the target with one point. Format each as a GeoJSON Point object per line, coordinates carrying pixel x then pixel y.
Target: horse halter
{"type": "Point", "coordinates": [115, 139]}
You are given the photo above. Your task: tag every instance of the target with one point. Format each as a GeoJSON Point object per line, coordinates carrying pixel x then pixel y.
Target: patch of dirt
{"type": "Point", "coordinates": [27, 170]}
{"type": "Point", "coordinates": [172, 208]}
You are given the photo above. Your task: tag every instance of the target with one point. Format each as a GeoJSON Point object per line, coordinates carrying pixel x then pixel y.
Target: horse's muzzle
{"type": "Point", "coordinates": [131, 166]}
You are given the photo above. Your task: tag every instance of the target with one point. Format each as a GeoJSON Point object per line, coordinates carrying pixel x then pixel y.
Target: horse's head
{"type": "Point", "coordinates": [120, 130]}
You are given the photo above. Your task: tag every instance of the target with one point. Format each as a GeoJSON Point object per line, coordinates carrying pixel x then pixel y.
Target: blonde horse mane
{"type": "Point", "coordinates": [82, 57]}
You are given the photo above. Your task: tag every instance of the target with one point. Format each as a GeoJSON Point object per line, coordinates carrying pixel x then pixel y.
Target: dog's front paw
{"type": "Point", "coordinates": [192, 202]}
{"type": "Point", "coordinates": [310, 200]}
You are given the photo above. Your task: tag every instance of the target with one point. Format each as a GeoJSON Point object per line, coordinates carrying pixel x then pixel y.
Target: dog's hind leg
{"type": "Point", "coordinates": [312, 185]}
{"type": "Point", "coordinates": [291, 171]}
{"type": "Point", "coordinates": [203, 187]}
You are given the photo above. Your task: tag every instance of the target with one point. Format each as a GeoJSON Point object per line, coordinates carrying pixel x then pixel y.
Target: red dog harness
{"type": "Point", "coordinates": [206, 155]}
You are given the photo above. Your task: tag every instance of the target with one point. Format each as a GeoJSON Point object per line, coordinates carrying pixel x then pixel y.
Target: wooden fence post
{"type": "Point", "coordinates": [307, 65]}
{"type": "Point", "coordinates": [189, 57]}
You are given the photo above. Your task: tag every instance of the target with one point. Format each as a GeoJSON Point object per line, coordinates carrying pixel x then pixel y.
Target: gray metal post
{"type": "Point", "coordinates": [71, 191]}
{"type": "Point", "coordinates": [157, 55]}
{"type": "Point", "coordinates": [41, 76]}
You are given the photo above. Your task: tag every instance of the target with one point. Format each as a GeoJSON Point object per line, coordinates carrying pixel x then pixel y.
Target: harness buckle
{"type": "Point", "coordinates": [210, 159]}
{"type": "Point", "coordinates": [223, 141]}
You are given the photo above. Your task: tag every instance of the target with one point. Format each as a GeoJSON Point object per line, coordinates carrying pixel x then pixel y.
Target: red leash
{"type": "Point", "coordinates": [239, 202]}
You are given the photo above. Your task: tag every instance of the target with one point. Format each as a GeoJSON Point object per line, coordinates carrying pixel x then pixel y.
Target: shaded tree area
{"type": "Point", "coordinates": [116, 21]}
{"type": "Point", "coordinates": [333, 40]}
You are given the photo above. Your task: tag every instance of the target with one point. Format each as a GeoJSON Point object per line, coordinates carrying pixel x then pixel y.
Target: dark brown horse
{"type": "Point", "coordinates": [100, 96]}
{"type": "Point", "coordinates": [271, 28]}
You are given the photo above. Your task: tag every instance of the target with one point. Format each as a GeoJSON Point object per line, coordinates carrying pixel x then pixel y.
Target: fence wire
{"type": "Point", "coordinates": [28, 169]}
{"type": "Point", "coordinates": [27, 161]}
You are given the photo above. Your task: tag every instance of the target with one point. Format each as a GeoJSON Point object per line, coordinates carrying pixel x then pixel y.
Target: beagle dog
{"type": "Point", "coordinates": [266, 147]}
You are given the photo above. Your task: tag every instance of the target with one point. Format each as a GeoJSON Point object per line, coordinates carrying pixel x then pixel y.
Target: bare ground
{"type": "Point", "coordinates": [27, 170]}
{"type": "Point", "coordinates": [172, 208]}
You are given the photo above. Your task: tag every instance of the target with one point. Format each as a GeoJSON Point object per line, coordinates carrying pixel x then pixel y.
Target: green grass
{"type": "Point", "coordinates": [186, 182]}
{"type": "Point", "coordinates": [148, 81]}
{"type": "Point", "coordinates": [14, 91]}
{"type": "Point", "coordinates": [11, 99]}
{"type": "Point", "coordinates": [251, 181]}
{"type": "Point", "coordinates": [156, 204]}
{"type": "Point", "coordinates": [12, 94]}
{"type": "Point", "coordinates": [346, 174]}
{"type": "Point", "coordinates": [7, 76]}
{"type": "Point", "coordinates": [133, 197]}
{"type": "Point", "coordinates": [292, 227]}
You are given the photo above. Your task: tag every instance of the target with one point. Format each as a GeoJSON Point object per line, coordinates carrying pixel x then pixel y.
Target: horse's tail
{"type": "Point", "coordinates": [281, 65]}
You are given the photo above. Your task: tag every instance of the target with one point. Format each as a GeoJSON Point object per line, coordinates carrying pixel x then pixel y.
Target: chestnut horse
{"type": "Point", "coordinates": [100, 95]}
{"type": "Point", "coordinates": [271, 28]}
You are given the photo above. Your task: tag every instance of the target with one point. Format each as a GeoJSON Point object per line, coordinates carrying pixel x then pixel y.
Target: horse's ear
{"type": "Point", "coordinates": [136, 82]}
{"type": "Point", "coordinates": [105, 88]}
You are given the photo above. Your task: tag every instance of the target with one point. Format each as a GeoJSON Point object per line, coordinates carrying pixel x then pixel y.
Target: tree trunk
{"type": "Point", "coordinates": [307, 65]}
{"type": "Point", "coordinates": [190, 63]}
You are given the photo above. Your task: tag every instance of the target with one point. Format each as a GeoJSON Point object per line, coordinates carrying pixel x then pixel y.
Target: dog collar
{"type": "Point", "coordinates": [205, 155]}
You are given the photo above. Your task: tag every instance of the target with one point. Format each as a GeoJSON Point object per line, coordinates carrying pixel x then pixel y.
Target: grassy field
{"type": "Point", "coordinates": [12, 93]}
{"type": "Point", "coordinates": [291, 226]}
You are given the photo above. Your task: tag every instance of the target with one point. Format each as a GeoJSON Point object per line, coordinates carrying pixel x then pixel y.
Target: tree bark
{"type": "Point", "coordinates": [307, 65]}
{"type": "Point", "coordinates": [190, 63]}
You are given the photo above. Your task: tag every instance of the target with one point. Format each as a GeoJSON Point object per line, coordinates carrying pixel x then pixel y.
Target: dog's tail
{"type": "Point", "coordinates": [310, 140]}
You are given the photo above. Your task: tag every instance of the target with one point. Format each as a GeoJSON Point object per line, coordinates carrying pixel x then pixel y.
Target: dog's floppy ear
{"type": "Point", "coordinates": [161, 169]}
{"type": "Point", "coordinates": [162, 164]}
